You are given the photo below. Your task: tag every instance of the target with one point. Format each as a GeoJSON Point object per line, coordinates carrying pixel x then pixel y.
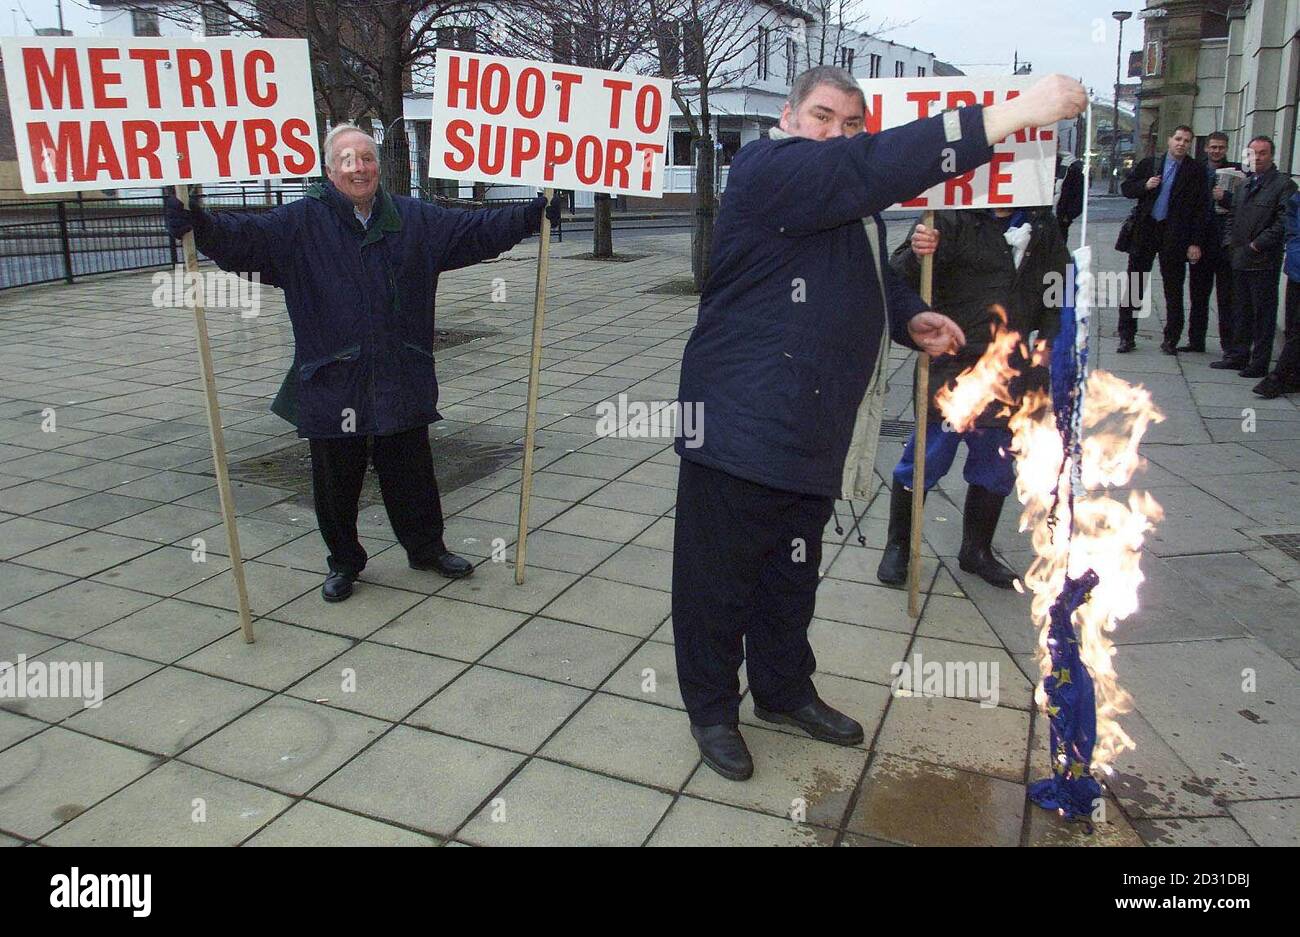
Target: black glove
{"type": "Point", "coordinates": [181, 220]}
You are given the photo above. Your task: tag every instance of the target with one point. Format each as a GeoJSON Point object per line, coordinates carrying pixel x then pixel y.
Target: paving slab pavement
{"type": "Point", "coordinates": [425, 712]}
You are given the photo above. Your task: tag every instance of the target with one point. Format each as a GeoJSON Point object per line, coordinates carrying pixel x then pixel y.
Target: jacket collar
{"type": "Point", "coordinates": [384, 218]}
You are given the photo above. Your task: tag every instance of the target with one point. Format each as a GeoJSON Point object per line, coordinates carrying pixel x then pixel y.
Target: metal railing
{"type": "Point", "coordinates": [47, 241]}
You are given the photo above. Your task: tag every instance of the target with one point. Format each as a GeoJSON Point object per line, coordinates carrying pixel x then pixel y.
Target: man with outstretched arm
{"type": "Point", "coordinates": [790, 328]}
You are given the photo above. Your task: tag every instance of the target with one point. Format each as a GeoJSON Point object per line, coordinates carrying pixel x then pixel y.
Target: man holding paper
{"type": "Point", "coordinates": [790, 328]}
{"type": "Point", "coordinates": [359, 268]}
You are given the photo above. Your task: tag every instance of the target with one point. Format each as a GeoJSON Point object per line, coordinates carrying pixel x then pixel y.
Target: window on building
{"type": "Point", "coordinates": [845, 59]}
{"type": "Point", "coordinates": [764, 43]}
{"type": "Point", "coordinates": [562, 42]}
{"type": "Point", "coordinates": [730, 140]}
{"type": "Point", "coordinates": [216, 20]}
{"type": "Point", "coordinates": [683, 152]}
{"type": "Point", "coordinates": [898, 69]}
{"type": "Point", "coordinates": [668, 39]}
{"type": "Point", "coordinates": [693, 46]}
{"type": "Point", "coordinates": [457, 37]}
{"type": "Point", "coordinates": [920, 71]}
{"type": "Point", "coordinates": [875, 66]}
{"type": "Point", "coordinates": [144, 23]}
{"type": "Point", "coordinates": [791, 60]}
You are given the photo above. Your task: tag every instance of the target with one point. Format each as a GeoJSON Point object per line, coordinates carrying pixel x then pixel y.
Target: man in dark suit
{"type": "Point", "coordinates": [1173, 210]}
{"type": "Point", "coordinates": [1258, 235]}
{"type": "Point", "coordinates": [1214, 271]}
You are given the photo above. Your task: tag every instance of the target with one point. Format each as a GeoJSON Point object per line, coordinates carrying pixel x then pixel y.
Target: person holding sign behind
{"type": "Point", "coordinates": [790, 327]}
{"type": "Point", "coordinates": [990, 270]}
{"type": "Point", "coordinates": [359, 268]}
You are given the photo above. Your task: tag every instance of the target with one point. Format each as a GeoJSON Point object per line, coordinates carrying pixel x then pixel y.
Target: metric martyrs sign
{"type": "Point", "coordinates": [517, 122]}
{"type": "Point", "coordinates": [103, 114]}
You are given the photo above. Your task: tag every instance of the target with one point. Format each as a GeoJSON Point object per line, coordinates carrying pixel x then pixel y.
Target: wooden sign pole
{"type": "Point", "coordinates": [534, 372]}
{"type": "Point", "coordinates": [922, 410]}
{"type": "Point", "coordinates": [215, 431]}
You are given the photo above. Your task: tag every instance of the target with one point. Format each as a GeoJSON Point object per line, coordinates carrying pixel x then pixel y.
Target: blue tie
{"type": "Point", "coordinates": [1161, 210]}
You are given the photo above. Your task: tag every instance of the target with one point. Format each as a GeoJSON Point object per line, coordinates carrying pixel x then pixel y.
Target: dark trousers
{"type": "Point", "coordinates": [1288, 362]}
{"type": "Point", "coordinates": [1173, 266]}
{"type": "Point", "coordinates": [1255, 316]}
{"type": "Point", "coordinates": [405, 467]}
{"type": "Point", "coordinates": [1211, 274]}
{"type": "Point", "coordinates": [745, 574]}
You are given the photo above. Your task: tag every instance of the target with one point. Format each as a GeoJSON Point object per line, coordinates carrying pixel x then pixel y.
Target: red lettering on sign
{"type": "Point", "coordinates": [135, 152]}
{"type": "Point", "coordinates": [496, 79]}
{"type": "Point", "coordinates": [649, 108]}
{"type": "Point", "coordinates": [520, 152]}
{"type": "Point", "coordinates": [874, 116]}
{"type": "Point", "coordinates": [488, 163]}
{"type": "Point", "coordinates": [61, 81]}
{"type": "Point", "coordinates": [617, 87]}
{"type": "Point", "coordinates": [918, 202]}
{"type": "Point", "coordinates": [567, 80]}
{"type": "Point", "coordinates": [228, 77]}
{"type": "Point", "coordinates": [923, 100]}
{"type": "Point", "coordinates": [194, 70]}
{"type": "Point", "coordinates": [962, 182]}
{"type": "Point", "coordinates": [62, 161]}
{"type": "Point", "coordinates": [100, 80]}
{"type": "Point", "coordinates": [559, 150]}
{"type": "Point", "coordinates": [100, 154]}
{"type": "Point", "coordinates": [223, 141]}
{"type": "Point", "coordinates": [535, 78]}
{"type": "Point", "coordinates": [620, 158]}
{"type": "Point", "coordinates": [456, 82]}
{"type": "Point", "coordinates": [998, 178]}
{"type": "Point", "coordinates": [588, 163]}
{"type": "Point", "coordinates": [647, 152]}
{"type": "Point", "coordinates": [259, 93]}
{"type": "Point", "coordinates": [259, 141]}
{"type": "Point", "coordinates": [296, 134]}
{"type": "Point", "coordinates": [960, 99]}
{"type": "Point", "coordinates": [180, 131]}
{"type": "Point", "coordinates": [150, 59]}
{"type": "Point", "coordinates": [458, 134]}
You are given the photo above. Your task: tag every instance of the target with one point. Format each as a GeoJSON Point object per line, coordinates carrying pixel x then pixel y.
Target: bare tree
{"type": "Point", "coordinates": [604, 34]}
{"type": "Point", "coordinates": [705, 46]}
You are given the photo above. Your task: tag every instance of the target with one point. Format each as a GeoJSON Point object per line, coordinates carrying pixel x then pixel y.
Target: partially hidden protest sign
{"type": "Point", "coordinates": [1023, 169]}
{"type": "Point", "coordinates": [519, 122]}
{"type": "Point", "coordinates": [109, 113]}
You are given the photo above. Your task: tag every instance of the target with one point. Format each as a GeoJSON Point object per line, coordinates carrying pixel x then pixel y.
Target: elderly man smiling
{"type": "Point", "coordinates": [790, 329]}
{"type": "Point", "coordinates": [359, 268]}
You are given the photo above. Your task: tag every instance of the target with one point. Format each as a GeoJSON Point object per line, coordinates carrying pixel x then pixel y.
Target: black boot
{"type": "Point", "coordinates": [980, 520]}
{"type": "Point", "coordinates": [723, 749]}
{"type": "Point", "coordinates": [893, 565]}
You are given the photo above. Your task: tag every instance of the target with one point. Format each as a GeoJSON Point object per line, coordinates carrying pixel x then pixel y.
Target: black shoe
{"type": "Point", "coordinates": [723, 749]}
{"type": "Point", "coordinates": [1125, 346]}
{"type": "Point", "coordinates": [338, 586]}
{"type": "Point", "coordinates": [1193, 347]}
{"type": "Point", "coordinates": [1253, 372]}
{"type": "Point", "coordinates": [979, 521]}
{"type": "Point", "coordinates": [818, 720]}
{"type": "Point", "coordinates": [1167, 347]}
{"type": "Point", "coordinates": [1228, 364]}
{"type": "Point", "coordinates": [447, 564]}
{"type": "Point", "coordinates": [893, 565]}
{"type": "Point", "coordinates": [1271, 388]}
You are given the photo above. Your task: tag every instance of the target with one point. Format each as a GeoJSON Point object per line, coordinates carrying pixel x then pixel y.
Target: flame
{"type": "Point", "coordinates": [1108, 533]}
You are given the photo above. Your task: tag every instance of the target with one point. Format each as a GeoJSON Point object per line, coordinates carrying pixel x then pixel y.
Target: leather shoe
{"type": "Point", "coordinates": [1125, 346]}
{"type": "Point", "coordinates": [818, 720]}
{"type": "Point", "coordinates": [1198, 349]}
{"type": "Point", "coordinates": [1228, 364]}
{"type": "Point", "coordinates": [447, 564]}
{"type": "Point", "coordinates": [338, 586]}
{"type": "Point", "coordinates": [723, 749]}
{"type": "Point", "coordinates": [1252, 372]}
{"type": "Point", "coordinates": [1167, 348]}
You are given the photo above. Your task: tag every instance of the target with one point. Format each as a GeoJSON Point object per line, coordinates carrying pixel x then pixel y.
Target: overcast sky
{"type": "Point", "coordinates": [1076, 37]}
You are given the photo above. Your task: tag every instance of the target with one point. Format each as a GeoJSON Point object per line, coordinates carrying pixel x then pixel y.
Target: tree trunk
{"type": "Point", "coordinates": [705, 209]}
{"type": "Point", "coordinates": [602, 227]}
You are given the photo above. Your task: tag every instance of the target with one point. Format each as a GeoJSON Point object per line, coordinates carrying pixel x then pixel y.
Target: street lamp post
{"type": "Point", "coordinates": [1121, 16]}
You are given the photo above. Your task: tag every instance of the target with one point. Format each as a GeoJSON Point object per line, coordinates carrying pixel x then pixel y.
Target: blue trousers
{"type": "Point", "coordinates": [989, 462]}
